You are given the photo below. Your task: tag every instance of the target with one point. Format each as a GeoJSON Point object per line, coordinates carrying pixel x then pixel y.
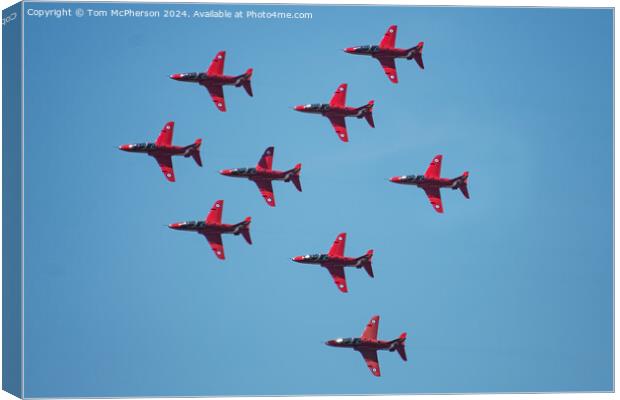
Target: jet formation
{"type": "Point", "coordinates": [368, 345]}
{"type": "Point", "coordinates": [263, 175]}
{"type": "Point", "coordinates": [212, 228]}
{"type": "Point", "coordinates": [386, 53]}
{"type": "Point", "coordinates": [335, 261]}
{"type": "Point", "coordinates": [163, 150]}
{"type": "Point", "coordinates": [337, 110]}
{"type": "Point", "coordinates": [214, 80]}
{"type": "Point", "coordinates": [432, 181]}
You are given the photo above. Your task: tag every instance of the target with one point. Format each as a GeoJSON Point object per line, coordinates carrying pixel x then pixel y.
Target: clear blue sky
{"type": "Point", "coordinates": [508, 291]}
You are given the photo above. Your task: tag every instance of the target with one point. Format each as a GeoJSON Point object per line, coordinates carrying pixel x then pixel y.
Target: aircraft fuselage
{"type": "Point", "coordinates": [255, 173]}
{"type": "Point", "coordinates": [423, 182]}
{"type": "Point", "coordinates": [208, 80]}
{"type": "Point", "coordinates": [380, 52]}
{"type": "Point", "coordinates": [329, 111]}
{"type": "Point", "coordinates": [361, 343]}
{"type": "Point", "coordinates": [153, 150]}
{"type": "Point", "coordinates": [203, 227]}
{"type": "Point", "coordinates": [325, 260]}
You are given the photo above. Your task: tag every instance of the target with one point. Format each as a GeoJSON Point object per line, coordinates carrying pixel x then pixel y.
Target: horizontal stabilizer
{"type": "Point", "coordinates": [417, 55]}
{"type": "Point", "coordinates": [246, 230]}
{"type": "Point", "coordinates": [295, 178]}
{"type": "Point", "coordinates": [463, 185]}
{"type": "Point", "coordinates": [368, 114]}
{"type": "Point", "coordinates": [367, 263]}
{"type": "Point", "coordinates": [401, 346]}
{"type": "Point", "coordinates": [195, 152]}
{"type": "Point", "coordinates": [401, 352]}
{"type": "Point", "coordinates": [247, 83]}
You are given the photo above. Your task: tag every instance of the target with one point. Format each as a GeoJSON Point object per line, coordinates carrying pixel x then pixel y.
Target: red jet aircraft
{"type": "Point", "coordinates": [368, 345]}
{"type": "Point", "coordinates": [163, 150]}
{"type": "Point", "coordinates": [215, 80]}
{"type": "Point", "coordinates": [335, 261]}
{"type": "Point", "coordinates": [212, 228]}
{"type": "Point", "coordinates": [386, 53]}
{"type": "Point", "coordinates": [336, 111]}
{"type": "Point", "coordinates": [431, 182]}
{"type": "Point", "coordinates": [263, 175]}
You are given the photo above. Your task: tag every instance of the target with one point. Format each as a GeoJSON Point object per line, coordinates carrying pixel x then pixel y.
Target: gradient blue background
{"type": "Point", "coordinates": [508, 291]}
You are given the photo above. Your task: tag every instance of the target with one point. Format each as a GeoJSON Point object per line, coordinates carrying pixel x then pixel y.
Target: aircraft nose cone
{"type": "Point", "coordinates": [395, 179]}
{"type": "Point", "coordinates": [297, 258]}
{"type": "Point", "coordinates": [123, 147]}
{"type": "Point", "coordinates": [330, 342]}
{"type": "Point", "coordinates": [225, 172]}
{"type": "Point", "coordinates": [298, 108]}
{"type": "Point", "coordinates": [176, 225]}
{"type": "Point", "coordinates": [175, 76]}
{"type": "Point", "coordinates": [349, 50]}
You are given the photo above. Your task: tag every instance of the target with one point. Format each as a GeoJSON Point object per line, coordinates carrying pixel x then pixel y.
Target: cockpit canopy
{"type": "Point", "coordinates": [142, 146]}
{"type": "Point", "coordinates": [192, 224]}
{"type": "Point", "coordinates": [414, 178]}
{"type": "Point", "coordinates": [244, 170]}
{"type": "Point", "coordinates": [367, 48]}
{"type": "Point", "coordinates": [353, 341]}
{"type": "Point", "coordinates": [315, 106]}
{"type": "Point", "coordinates": [316, 257]}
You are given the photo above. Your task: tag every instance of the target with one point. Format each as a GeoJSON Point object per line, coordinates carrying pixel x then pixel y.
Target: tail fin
{"type": "Point", "coordinates": [366, 260]}
{"type": "Point", "coordinates": [463, 185]}
{"type": "Point", "coordinates": [247, 83]}
{"type": "Point", "coordinates": [368, 114]}
{"type": "Point", "coordinates": [245, 230]}
{"type": "Point", "coordinates": [401, 346]}
{"type": "Point", "coordinates": [295, 177]}
{"type": "Point", "coordinates": [194, 151]}
{"type": "Point", "coordinates": [417, 54]}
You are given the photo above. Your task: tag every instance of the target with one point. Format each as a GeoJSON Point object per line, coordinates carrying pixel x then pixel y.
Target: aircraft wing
{"type": "Point", "coordinates": [165, 136]}
{"type": "Point", "coordinates": [266, 159]}
{"type": "Point", "coordinates": [339, 98]}
{"type": "Point", "coordinates": [215, 241]}
{"type": "Point", "coordinates": [217, 65]}
{"type": "Point", "coordinates": [434, 195]}
{"type": "Point", "coordinates": [165, 163]}
{"type": "Point", "coordinates": [434, 168]}
{"type": "Point", "coordinates": [371, 329]}
{"type": "Point", "coordinates": [340, 126]}
{"type": "Point", "coordinates": [266, 189]}
{"type": "Point", "coordinates": [215, 215]}
{"type": "Point", "coordinates": [217, 95]}
{"type": "Point", "coordinates": [337, 274]}
{"type": "Point", "coordinates": [372, 360]}
{"type": "Point", "coordinates": [337, 249]}
{"type": "Point", "coordinates": [389, 67]}
{"type": "Point", "coordinates": [389, 39]}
